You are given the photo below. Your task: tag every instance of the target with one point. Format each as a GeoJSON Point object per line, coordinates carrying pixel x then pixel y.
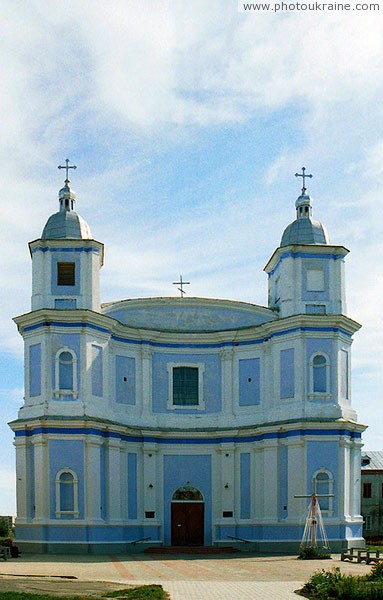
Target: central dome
{"type": "Point", "coordinates": [305, 231]}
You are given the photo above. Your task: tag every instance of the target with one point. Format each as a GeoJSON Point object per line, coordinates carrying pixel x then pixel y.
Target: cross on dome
{"type": "Point", "coordinates": [181, 283]}
{"type": "Point", "coordinates": [303, 175]}
{"type": "Point", "coordinates": [67, 167]}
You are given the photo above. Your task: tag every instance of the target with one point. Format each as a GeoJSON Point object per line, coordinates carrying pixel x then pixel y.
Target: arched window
{"type": "Point", "coordinates": [187, 493]}
{"type": "Point", "coordinates": [66, 493]}
{"type": "Point", "coordinates": [323, 486]}
{"type": "Point", "coordinates": [320, 375]}
{"type": "Point", "coordinates": [65, 373]}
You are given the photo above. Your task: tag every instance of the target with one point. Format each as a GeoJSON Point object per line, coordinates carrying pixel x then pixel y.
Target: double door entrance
{"type": "Point", "coordinates": [187, 523]}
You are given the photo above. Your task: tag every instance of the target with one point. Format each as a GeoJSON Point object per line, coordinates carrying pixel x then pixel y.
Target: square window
{"type": "Point", "coordinates": [185, 386]}
{"type": "Point", "coordinates": [66, 273]}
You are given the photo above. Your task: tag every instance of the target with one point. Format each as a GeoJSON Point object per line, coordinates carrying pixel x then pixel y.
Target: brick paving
{"type": "Point", "coordinates": [234, 577]}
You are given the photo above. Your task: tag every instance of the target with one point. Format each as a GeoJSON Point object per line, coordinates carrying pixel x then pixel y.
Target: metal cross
{"type": "Point", "coordinates": [181, 283]}
{"type": "Point", "coordinates": [67, 167]}
{"type": "Point", "coordinates": [303, 175]}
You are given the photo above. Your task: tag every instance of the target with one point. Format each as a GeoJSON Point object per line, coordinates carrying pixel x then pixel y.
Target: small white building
{"type": "Point", "coordinates": [185, 421]}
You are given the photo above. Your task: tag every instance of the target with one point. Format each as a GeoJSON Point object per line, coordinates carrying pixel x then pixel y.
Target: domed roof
{"type": "Point", "coordinates": [305, 231]}
{"type": "Point", "coordinates": [66, 224]}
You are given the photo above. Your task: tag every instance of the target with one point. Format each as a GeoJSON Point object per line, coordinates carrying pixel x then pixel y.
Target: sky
{"type": "Point", "coordinates": [187, 121]}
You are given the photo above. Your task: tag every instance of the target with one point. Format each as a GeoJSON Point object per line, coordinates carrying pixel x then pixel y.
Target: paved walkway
{"type": "Point", "coordinates": [234, 577]}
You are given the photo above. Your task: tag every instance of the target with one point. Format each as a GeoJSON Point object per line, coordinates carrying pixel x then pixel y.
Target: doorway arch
{"type": "Point", "coordinates": [187, 517]}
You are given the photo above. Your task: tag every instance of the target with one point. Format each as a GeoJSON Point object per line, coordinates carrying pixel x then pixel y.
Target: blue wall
{"type": "Point", "coordinates": [35, 370]}
{"type": "Point", "coordinates": [287, 373]}
{"type": "Point", "coordinates": [245, 485]}
{"type": "Point", "coordinates": [249, 382]}
{"type": "Point", "coordinates": [211, 381]}
{"type": "Point", "coordinates": [182, 470]}
{"type": "Point", "coordinates": [125, 390]}
{"type": "Point", "coordinates": [132, 486]}
{"type": "Point", "coordinates": [344, 377]}
{"type": "Point", "coordinates": [66, 453]}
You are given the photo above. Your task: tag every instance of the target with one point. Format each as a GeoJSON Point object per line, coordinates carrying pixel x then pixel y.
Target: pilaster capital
{"type": "Point", "coordinates": [146, 352]}
{"type": "Point", "coordinates": [226, 353]}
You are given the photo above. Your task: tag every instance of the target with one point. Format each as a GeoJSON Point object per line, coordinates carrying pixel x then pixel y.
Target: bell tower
{"type": "Point", "coordinates": [66, 259]}
{"type": "Point", "coordinates": [306, 272]}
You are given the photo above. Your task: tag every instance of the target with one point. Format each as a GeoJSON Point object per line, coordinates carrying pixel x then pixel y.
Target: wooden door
{"type": "Point", "coordinates": [187, 523]}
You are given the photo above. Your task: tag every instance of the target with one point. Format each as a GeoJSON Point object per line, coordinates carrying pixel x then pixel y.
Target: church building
{"type": "Point", "coordinates": [183, 421]}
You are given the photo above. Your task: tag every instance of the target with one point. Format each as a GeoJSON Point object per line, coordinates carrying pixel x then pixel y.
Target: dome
{"type": "Point", "coordinates": [66, 225]}
{"type": "Point", "coordinates": [305, 231]}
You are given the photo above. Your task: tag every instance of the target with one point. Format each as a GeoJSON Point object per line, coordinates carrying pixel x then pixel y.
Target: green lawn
{"type": "Point", "coordinates": [144, 592]}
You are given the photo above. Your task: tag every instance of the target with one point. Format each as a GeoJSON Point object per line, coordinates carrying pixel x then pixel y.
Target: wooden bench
{"type": "Point", "coordinates": [354, 553]}
{"type": "Point", "coordinates": [374, 557]}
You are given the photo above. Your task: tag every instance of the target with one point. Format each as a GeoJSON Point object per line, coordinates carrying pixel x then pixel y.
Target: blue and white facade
{"type": "Point", "coordinates": [137, 411]}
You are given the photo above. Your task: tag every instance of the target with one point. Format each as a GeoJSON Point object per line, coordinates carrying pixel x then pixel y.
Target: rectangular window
{"type": "Point", "coordinates": [227, 514]}
{"type": "Point", "coordinates": [185, 386]}
{"type": "Point", "coordinates": [367, 522]}
{"type": "Point", "coordinates": [66, 273]}
{"type": "Point", "coordinates": [287, 375]}
{"type": "Point", "coordinates": [367, 490]}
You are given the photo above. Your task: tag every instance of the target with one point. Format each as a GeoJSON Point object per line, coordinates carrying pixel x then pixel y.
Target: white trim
{"type": "Point", "coordinates": [57, 392]}
{"type": "Point", "coordinates": [201, 401]}
{"type": "Point", "coordinates": [319, 395]}
{"type": "Point", "coordinates": [58, 511]}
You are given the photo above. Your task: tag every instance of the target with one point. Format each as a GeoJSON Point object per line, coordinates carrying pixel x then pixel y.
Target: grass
{"type": "Point", "coordinates": [143, 592]}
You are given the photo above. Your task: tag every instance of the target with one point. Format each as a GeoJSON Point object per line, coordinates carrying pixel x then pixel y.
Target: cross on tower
{"type": "Point", "coordinates": [181, 283]}
{"type": "Point", "coordinates": [303, 175]}
{"type": "Point", "coordinates": [67, 167]}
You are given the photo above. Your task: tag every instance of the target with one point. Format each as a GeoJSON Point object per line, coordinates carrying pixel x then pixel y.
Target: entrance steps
{"type": "Point", "coordinates": [191, 550]}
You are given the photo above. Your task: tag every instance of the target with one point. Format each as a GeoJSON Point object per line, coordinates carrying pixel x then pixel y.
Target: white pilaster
{"type": "Point", "coordinates": [296, 477]}
{"type": "Point", "coordinates": [270, 491]}
{"type": "Point", "coordinates": [41, 460]}
{"type": "Point", "coordinates": [92, 479]}
{"type": "Point", "coordinates": [113, 481]}
{"type": "Point", "coordinates": [21, 480]}
{"type": "Point", "coordinates": [344, 479]}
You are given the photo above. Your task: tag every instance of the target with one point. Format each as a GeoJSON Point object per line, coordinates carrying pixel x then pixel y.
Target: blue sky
{"type": "Point", "coordinates": [187, 121]}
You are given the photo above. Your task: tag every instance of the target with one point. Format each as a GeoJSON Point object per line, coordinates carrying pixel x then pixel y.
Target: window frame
{"type": "Point", "coordinates": [58, 512]}
{"type": "Point", "coordinates": [312, 394]}
{"type": "Point", "coordinates": [201, 402]}
{"type": "Point", "coordinates": [72, 273]}
{"type": "Point", "coordinates": [367, 485]}
{"type": "Point", "coordinates": [58, 393]}
{"type": "Point", "coordinates": [330, 511]}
